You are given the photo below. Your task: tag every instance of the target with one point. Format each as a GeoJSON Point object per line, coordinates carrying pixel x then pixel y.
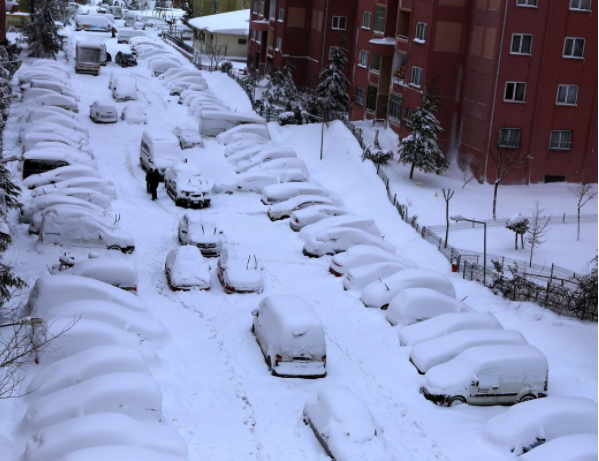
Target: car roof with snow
{"type": "Point", "coordinates": [578, 447]}
{"type": "Point", "coordinates": [62, 155]}
{"type": "Point", "coordinates": [299, 200]}
{"type": "Point", "coordinates": [116, 270]}
{"type": "Point", "coordinates": [293, 312]}
{"type": "Point", "coordinates": [105, 104]}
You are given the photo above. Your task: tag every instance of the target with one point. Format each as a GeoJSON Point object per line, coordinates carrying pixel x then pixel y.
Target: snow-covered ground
{"type": "Point", "coordinates": [217, 392]}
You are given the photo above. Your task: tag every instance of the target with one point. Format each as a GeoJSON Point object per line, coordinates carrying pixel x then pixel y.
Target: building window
{"type": "Point", "coordinates": [331, 49]}
{"type": "Point", "coordinates": [339, 22]}
{"type": "Point", "coordinates": [515, 92]}
{"type": "Point", "coordinates": [258, 36]}
{"type": "Point", "coordinates": [375, 63]}
{"type": "Point", "coordinates": [242, 41]}
{"type": "Point", "coordinates": [279, 44]}
{"type": "Point", "coordinates": [255, 7]}
{"type": "Point", "coordinates": [521, 44]}
{"type": "Point", "coordinates": [509, 138]}
{"type": "Point", "coordinates": [379, 19]}
{"type": "Point", "coordinates": [359, 96]}
{"type": "Point", "coordinates": [421, 32]}
{"type": "Point", "coordinates": [281, 15]}
{"type": "Point", "coordinates": [395, 107]}
{"type": "Point", "coordinates": [416, 76]}
{"type": "Point", "coordinates": [363, 58]}
{"type": "Point", "coordinates": [528, 3]}
{"type": "Point", "coordinates": [567, 95]}
{"type": "Point", "coordinates": [366, 17]}
{"type": "Point", "coordinates": [581, 5]}
{"type": "Point", "coordinates": [253, 35]}
{"type": "Point", "coordinates": [560, 140]}
{"type": "Point", "coordinates": [409, 117]}
{"type": "Point", "coordinates": [574, 47]}
{"type": "Point", "coordinates": [371, 98]}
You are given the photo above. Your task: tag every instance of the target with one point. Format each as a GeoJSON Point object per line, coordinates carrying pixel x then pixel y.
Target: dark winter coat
{"type": "Point", "coordinates": [152, 179]}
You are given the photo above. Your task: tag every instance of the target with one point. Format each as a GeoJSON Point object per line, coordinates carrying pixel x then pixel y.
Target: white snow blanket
{"type": "Point", "coordinates": [579, 447]}
{"type": "Point", "coordinates": [120, 453]}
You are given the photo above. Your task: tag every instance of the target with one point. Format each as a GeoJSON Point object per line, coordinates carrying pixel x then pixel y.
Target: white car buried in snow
{"type": "Point", "coordinates": [284, 209]}
{"type": "Point", "coordinates": [348, 220]}
{"type": "Point", "coordinates": [188, 138]}
{"type": "Point", "coordinates": [251, 130]}
{"type": "Point", "coordinates": [281, 192]}
{"type": "Point", "coordinates": [103, 112]}
{"type": "Point", "coordinates": [186, 185]}
{"type": "Point", "coordinates": [55, 100]}
{"type": "Point", "coordinates": [577, 447]}
{"type": "Point", "coordinates": [124, 89]}
{"type": "Point", "coordinates": [202, 234]}
{"type": "Point", "coordinates": [281, 164]}
{"type": "Point", "coordinates": [312, 214]}
{"type": "Point", "coordinates": [240, 272]}
{"type": "Point", "coordinates": [362, 255]}
{"type": "Point", "coordinates": [119, 273]}
{"type": "Point", "coordinates": [338, 239]}
{"type": "Point", "coordinates": [134, 114]}
{"type": "Point", "coordinates": [176, 86]}
{"type": "Point", "coordinates": [59, 174]}
{"type": "Point", "coordinates": [345, 427]}
{"type": "Point", "coordinates": [237, 146]}
{"type": "Point", "coordinates": [265, 156]}
{"type": "Point", "coordinates": [160, 66]}
{"type": "Point", "coordinates": [185, 269]}
{"type": "Point", "coordinates": [89, 195]}
{"type": "Point", "coordinates": [358, 277]}
{"type": "Point", "coordinates": [98, 184]}
{"type": "Point", "coordinates": [255, 182]}
{"type": "Point", "coordinates": [40, 203]}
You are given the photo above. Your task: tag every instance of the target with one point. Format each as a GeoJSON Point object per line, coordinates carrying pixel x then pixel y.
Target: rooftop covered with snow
{"type": "Point", "coordinates": [232, 23]}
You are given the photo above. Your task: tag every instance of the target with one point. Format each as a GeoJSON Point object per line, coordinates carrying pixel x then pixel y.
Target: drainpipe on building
{"type": "Point", "coordinates": [495, 90]}
{"type": "Point", "coordinates": [324, 36]}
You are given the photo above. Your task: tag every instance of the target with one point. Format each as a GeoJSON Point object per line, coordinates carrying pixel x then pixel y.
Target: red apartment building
{"type": "Point", "coordinates": [519, 74]}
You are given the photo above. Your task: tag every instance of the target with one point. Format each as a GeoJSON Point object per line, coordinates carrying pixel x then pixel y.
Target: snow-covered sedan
{"type": "Point", "coordinates": [176, 86]}
{"type": "Point", "coordinates": [188, 138]}
{"type": "Point", "coordinates": [56, 100]}
{"type": "Point", "coordinates": [281, 192]}
{"type": "Point", "coordinates": [202, 234]}
{"type": "Point", "coordinates": [59, 174]}
{"type": "Point", "coordinates": [362, 255]}
{"type": "Point", "coordinates": [103, 112]}
{"type": "Point", "coordinates": [83, 193]}
{"type": "Point", "coordinates": [240, 272]}
{"type": "Point", "coordinates": [338, 239]}
{"type": "Point", "coordinates": [186, 269]}
{"type": "Point", "coordinates": [344, 426]}
{"type": "Point", "coordinates": [284, 209]}
{"type": "Point", "coordinates": [40, 203]}
{"type": "Point", "coordinates": [98, 184]}
{"type": "Point", "coordinates": [255, 182]}
{"type": "Point", "coordinates": [265, 156]}
{"type": "Point", "coordinates": [312, 214]}
{"type": "Point", "coordinates": [186, 185]}
{"type": "Point", "coordinates": [134, 114]}
{"type": "Point", "coordinates": [358, 277]}
{"type": "Point", "coordinates": [120, 273]}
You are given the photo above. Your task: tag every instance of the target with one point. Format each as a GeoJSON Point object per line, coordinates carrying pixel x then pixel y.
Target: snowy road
{"type": "Point", "coordinates": [216, 387]}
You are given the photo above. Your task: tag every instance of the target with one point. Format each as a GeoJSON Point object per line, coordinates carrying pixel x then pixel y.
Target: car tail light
{"type": "Point", "coordinates": [135, 289]}
{"type": "Point", "coordinates": [296, 221]}
{"type": "Point", "coordinates": [278, 359]}
{"type": "Point", "coordinates": [230, 288]}
{"type": "Point", "coordinates": [324, 359]}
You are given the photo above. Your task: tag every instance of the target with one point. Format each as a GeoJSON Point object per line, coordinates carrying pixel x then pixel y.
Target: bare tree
{"type": "Point", "coordinates": [506, 161]}
{"type": "Point", "coordinates": [537, 230]}
{"type": "Point", "coordinates": [584, 193]}
{"type": "Point", "coordinates": [447, 195]}
{"type": "Point", "coordinates": [467, 174]}
{"type": "Point", "coordinates": [216, 54]}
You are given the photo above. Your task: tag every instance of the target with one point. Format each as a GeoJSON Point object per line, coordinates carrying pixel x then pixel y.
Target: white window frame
{"type": "Point", "coordinates": [578, 8]}
{"type": "Point", "coordinates": [281, 16]}
{"type": "Point", "coordinates": [527, 3]}
{"type": "Point", "coordinates": [259, 36]}
{"type": "Point", "coordinates": [391, 117]}
{"type": "Point", "coordinates": [560, 144]}
{"type": "Point", "coordinates": [520, 53]}
{"type": "Point", "coordinates": [366, 14]}
{"type": "Point", "coordinates": [256, 7]}
{"type": "Point", "coordinates": [568, 89]}
{"type": "Point", "coordinates": [339, 20]}
{"type": "Point", "coordinates": [279, 44]}
{"type": "Point", "coordinates": [416, 71]}
{"type": "Point", "coordinates": [363, 59]}
{"type": "Point", "coordinates": [574, 39]}
{"type": "Point", "coordinates": [421, 29]}
{"type": "Point", "coordinates": [515, 90]}
{"type": "Point", "coordinates": [253, 37]}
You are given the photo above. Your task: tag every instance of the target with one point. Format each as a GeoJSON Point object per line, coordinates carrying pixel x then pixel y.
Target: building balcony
{"type": "Point", "coordinates": [401, 44]}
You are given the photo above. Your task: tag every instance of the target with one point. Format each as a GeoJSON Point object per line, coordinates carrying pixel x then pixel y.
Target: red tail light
{"type": "Point", "coordinates": [278, 359]}
{"type": "Point", "coordinates": [135, 289]}
{"type": "Point", "coordinates": [324, 359]}
{"type": "Point", "coordinates": [296, 221]}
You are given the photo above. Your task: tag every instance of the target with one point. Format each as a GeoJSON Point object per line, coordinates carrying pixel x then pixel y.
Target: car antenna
{"type": "Point", "coordinates": [203, 228]}
{"type": "Point", "coordinates": [464, 298]}
{"type": "Point", "coordinates": [255, 262]}
{"type": "Point", "coordinates": [247, 266]}
{"type": "Point", "coordinates": [49, 270]}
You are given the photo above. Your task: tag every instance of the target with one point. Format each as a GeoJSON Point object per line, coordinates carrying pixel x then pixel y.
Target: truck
{"type": "Point", "coordinates": [88, 56]}
{"type": "Point", "coordinates": [95, 23]}
{"type": "Point", "coordinates": [116, 11]}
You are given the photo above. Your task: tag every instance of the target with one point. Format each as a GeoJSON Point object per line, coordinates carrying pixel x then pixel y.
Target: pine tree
{"type": "Point", "coordinates": [281, 86]}
{"type": "Point", "coordinates": [42, 34]}
{"type": "Point", "coordinates": [331, 93]}
{"type": "Point", "coordinates": [420, 148]}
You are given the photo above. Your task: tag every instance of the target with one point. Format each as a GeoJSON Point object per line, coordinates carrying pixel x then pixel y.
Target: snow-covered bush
{"type": "Point", "coordinates": [286, 118]}
{"type": "Point", "coordinates": [226, 67]}
{"type": "Point", "coordinates": [378, 156]}
{"type": "Point", "coordinates": [519, 225]}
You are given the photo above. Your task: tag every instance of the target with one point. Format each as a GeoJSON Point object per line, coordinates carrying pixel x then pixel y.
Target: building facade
{"type": "Point", "coordinates": [208, 7]}
{"type": "Point", "coordinates": [511, 74]}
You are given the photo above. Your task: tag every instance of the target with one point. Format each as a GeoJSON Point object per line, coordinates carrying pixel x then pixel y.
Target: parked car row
{"type": "Point", "coordinates": [70, 204]}
{"type": "Point", "coordinates": [92, 396]}
{"type": "Point", "coordinates": [158, 58]}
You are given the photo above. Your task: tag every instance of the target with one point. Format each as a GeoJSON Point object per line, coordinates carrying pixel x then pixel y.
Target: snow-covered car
{"type": "Point", "coordinates": [89, 195]}
{"type": "Point", "coordinates": [214, 122]}
{"type": "Point", "coordinates": [380, 293]}
{"type": "Point", "coordinates": [83, 231]}
{"type": "Point", "coordinates": [446, 324]}
{"type": "Point", "coordinates": [254, 130]}
{"type": "Point", "coordinates": [533, 423]}
{"type": "Point", "coordinates": [51, 85]}
{"type": "Point", "coordinates": [43, 160]}
{"type": "Point", "coordinates": [281, 164]}
{"type": "Point", "coordinates": [125, 59]}
{"type": "Point", "coordinates": [50, 74]}
{"type": "Point", "coordinates": [414, 305]}
{"type": "Point", "coordinates": [281, 192]}
{"type": "Point", "coordinates": [233, 148]}
{"type": "Point", "coordinates": [577, 447]}
{"type": "Point", "coordinates": [59, 174]}
{"type": "Point", "coordinates": [187, 98]}
{"type": "Point", "coordinates": [160, 66]}
{"type": "Point", "coordinates": [202, 234]}
{"type": "Point", "coordinates": [55, 100]}
{"type": "Point", "coordinates": [436, 351]}
{"type": "Point", "coordinates": [124, 89]}
{"type": "Point", "coordinates": [146, 52]}
{"type": "Point", "coordinates": [348, 220]}
{"type": "Point", "coordinates": [240, 272]}
{"type": "Point", "coordinates": [186, 185]}
{"type": "Point", "coordinates": [255, 149]}
{"type": "Point", "coordinates": [37, 140]}
{"type": "Point", "coordinates": [186, 269]}
{"type": "Point", "coordinates": [37, 204]}
{"type": "Point", "coordinates": [177, 74]}
{"type": "Point", "coordinates": [159, 149]}
{"type": "Point", "coordinates": [119, 273]}
{"type": "Point", "coordinates": [74, 209]}
{"type": "Point", "coordinates": [255, 182]}
{"type": "Point", "coordinates": [36, 114]}
{"type": "Point", "coordinates": [313, 214]}
{"type": "Point", "coordinates": [362, 255]}
{"type": "Point", "coordinates": [489, 375]}
{"type": "Point", "coordinates": [291, 337]}
{"type": "Point", "coordinates": [358, 277]}
{"type": "Point", "coordinates": [338, 239]}
{"type": "Point", "coordinates": [134, 114]}
{"type": "Point", "coordinates": [103, 111]}
{"type": "Point", "coordinates": [188, 138]}
{"type": "Point", "coordinates": [284, 209]}
{"type": "Point", "coordinates": [50, 126]}
{"type": "Point", "coordinates": [89, 182]}
{"type": "Point", "coordinates": [176, 86]}
{"type": "Point", "coordinates": [265, 156]}
{"type": "Point", "coordinates": [344, 426]}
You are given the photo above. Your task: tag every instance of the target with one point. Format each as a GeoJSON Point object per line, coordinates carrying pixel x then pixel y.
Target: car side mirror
{"type": "Point", "coordinates": [183, 231]}
{"type": "Point", "coordinates": [255, 313]}
{"type": "Point", "coordinates": [220, 232]}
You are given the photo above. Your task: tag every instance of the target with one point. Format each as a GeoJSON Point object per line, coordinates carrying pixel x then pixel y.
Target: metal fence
{"type": "Point", "coordinates": [178, 40]}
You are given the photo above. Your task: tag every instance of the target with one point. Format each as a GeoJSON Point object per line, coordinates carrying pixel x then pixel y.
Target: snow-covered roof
{"type": "Point", "coordinates": [233, 23]}
{"type": "Point", "coordinates": [383, 41]}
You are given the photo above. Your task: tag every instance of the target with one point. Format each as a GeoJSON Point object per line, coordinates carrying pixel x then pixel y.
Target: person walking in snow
{"type": "Point", "coordinates": [154, 181]}
{"type": "Point", "coordinates": [148, 180]}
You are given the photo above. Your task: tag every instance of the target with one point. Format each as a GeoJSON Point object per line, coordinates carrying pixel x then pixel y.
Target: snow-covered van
{"type": "Point", "coordinates": [489, 375]}
{"type": "Point", "coordinates": [116, 11]}
{"type": "Point", "coordinates": [291, 337]}
{"type": "Point", "coordinates": [126, 34]}
{"type": "Point", "coordinates": [212, 123]}
{"type": "Point", "coordinates": [96, 23]}
{"type": "Point", "coordinates": [88, 57]}
{"type": "Point", "coordinates": [159, 149]}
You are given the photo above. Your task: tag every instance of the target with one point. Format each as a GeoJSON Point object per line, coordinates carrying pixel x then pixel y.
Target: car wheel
{"type": "Point", "coordinates": [269, 363]}
{"type": "Point", "coordinates": [115, 247]}
{"type": "Point", "coordinates": [456, 401]}
{"type": "Point", "coordinates": [527, 398]}
{"type": "Point", "coordinates": [253, 329]}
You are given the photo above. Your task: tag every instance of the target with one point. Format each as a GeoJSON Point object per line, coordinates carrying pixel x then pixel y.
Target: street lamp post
{"type": "Point", "coordinates": [458, 218]}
